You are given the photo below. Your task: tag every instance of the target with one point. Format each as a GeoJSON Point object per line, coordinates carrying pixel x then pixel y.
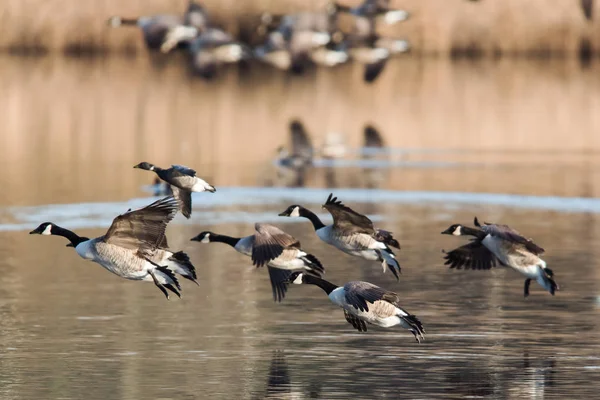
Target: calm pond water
{"type": "Point", "coordinates": [512, 144]}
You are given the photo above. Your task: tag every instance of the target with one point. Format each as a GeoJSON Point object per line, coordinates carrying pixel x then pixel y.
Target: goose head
{"type": "Point", "coordinates": [455, 230]}
{"type": "Point", "coordinates": [203, 237]}
{"type": "Point", "coordinates": [145, 165]}
{"type": "Point", "coordinates": [43, 229]}
{"type": "Point", "coordinates": [292, 211]}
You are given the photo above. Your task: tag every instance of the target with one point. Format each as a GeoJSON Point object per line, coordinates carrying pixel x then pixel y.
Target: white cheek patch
{"type": "Point", "coordinates": [48, 230]}
{"type": "Point", "coordinates": [457, 231]}
{"type": "Point", "coordinates": [298, 280]}
{"type": "Point", "coordinates": [206, 238]}
{"type": "Point", "coordinates": [152, 168]}
{"type": "Point", "coordinates": [295, 212]}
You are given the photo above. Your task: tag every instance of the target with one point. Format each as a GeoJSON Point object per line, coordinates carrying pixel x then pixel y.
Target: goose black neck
{"type": "Point", "coordinates": [466, 231]}
{"type": "Point", "coordinates": [327, 286]}
{"type": "Point", "coordinates": [317, 224]}
{"type": "Point", "coordinates": [74, 238]}
{"type": "Point", "coordinates": [232, 241]}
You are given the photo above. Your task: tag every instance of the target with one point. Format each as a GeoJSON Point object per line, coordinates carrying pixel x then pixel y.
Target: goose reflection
{"type": "Point", "coordinates": [279, 384]}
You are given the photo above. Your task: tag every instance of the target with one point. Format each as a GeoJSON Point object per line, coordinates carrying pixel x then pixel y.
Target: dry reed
{"type": "Point", "coordinates": [456, 27]}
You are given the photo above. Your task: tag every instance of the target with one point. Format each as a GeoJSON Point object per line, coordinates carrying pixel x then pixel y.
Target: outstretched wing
{"type": "Point", "coordinates": [269, 243]}
{"type": "Point", "coordinates": [346, 220]}
{"type": "Point", "coordinates": [473, 255]}
{"type": "Point", "coordinates": [184, 199]}
{"type": "Point", "coordinates": [144, 228]}
{"type": "Point", "coordinates": [358, 293]}
{"type": "Point", "coordinates": [504, 232]}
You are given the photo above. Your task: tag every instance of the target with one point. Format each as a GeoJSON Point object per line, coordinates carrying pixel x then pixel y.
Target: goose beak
{"type": "Point", "coordinates": [34, 232]}
{"type": "Point", "coordinates": [283, 214]}
{"type": "Point", "coordinates": [447, 232]}
{"type": "Point", "coordinates": [70, 245]}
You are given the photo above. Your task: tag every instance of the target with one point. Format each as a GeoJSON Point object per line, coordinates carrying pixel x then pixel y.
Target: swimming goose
{"type": "Point", "coordinates": [352, 233]}
{"type": "Point", "coordinates": [371, 9]}
{"type": "Point", "coordinates": [365, 303]}
{"type": "Point", "coordinates": [494, 244]}
{"type": "Point", "coordinates": [270, 246]}
{"type": "Point", "coordinates": [134, 247]}
{"type": "Point", "coordinates": [183, 181]}
{"type": "Point", "coordinates": [154, 28]}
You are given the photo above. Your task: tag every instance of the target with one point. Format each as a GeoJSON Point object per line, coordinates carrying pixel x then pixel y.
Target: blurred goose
{"type": "Point", "coordinates": [134, 247]}
{"type": "Point", "coordinates": [154, 28]}
{"type": "Point", "coordinates": [183, 181]}
{"type": "Point", "coordinates": [213, 48]}
{"type": "Point", "coordinates": [270, 246]}
{"type": "Point", "coordinates": [494, 244]}
{"type": "Point", "coordinates": [291, 45]}
{"type": "Point", "coordinates": [302, 148]}
{"type": "Point", "coordinates": [365, 303]}
{"type": "Point", "coordinates": [194, 22]}
{"type": "Point", "coordinates": [352, 233]}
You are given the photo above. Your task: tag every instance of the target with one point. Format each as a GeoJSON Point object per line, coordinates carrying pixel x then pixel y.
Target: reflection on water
{"type": "Point", "coordinates": [72, 131]}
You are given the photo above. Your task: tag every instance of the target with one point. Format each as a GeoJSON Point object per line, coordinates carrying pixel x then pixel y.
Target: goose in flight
{"type": "Point", "coordinates": [352, 233]}
{"type": "Point", "coordinates": [134, 247]}
{"type": "Point", "coordinates": [495, 244]}
{"type": "Point", "coordinates": [365, 303]}
{"type": "Point", "coordinates": [183, 181]}
{"type": "Point", "coordinates": [270, 246]}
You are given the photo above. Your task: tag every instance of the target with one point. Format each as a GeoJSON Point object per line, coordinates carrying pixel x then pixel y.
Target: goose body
{"type": "Point", "coordinates": [134, 247]}
{"type": "Point", "coordinates": [352, 233]}
{"type": "Point", "coordinates": [499, 244]}
{"type": "Point", "coordinates": [183, 181]}
{"type": "Point", "coordinates": [270, 246]}
{"type": "Point", "coordinates": [364, 303]}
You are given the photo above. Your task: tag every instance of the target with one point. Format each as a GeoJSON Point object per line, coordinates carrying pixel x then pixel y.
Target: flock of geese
{"type": "Point", "coordinates": [135, 247]}
{"type": "Point", "coordinates": [291, 42]}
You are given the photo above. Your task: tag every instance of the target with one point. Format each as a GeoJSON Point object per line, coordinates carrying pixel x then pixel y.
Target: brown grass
{"type": "Point", "coordinates": [456, 27]}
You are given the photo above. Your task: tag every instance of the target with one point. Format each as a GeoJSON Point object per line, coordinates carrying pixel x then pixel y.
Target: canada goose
{"type": "Point", "coordinates": [154, 28]}
{"type": "Point", "coordinates": [365, 303]}
{"type": "Point", "coordinates": [195, 21]}
{"type": "Point", "coordinates": [352, 233]}
{"type": "Point", "coordinates": [301, 154]}
{"type": "Point", "coordinates": [134, 247]}
{"type": "Point", "coordinates": [270, 246]}
{"type": "Point", "coordinates": [213, 48]}
{"type": "Point", "coordinates": [183, 181]}
{"type": "Point", "coordinates": [493, 244]}
{"type": "Point", "coordinates": [291, 45]}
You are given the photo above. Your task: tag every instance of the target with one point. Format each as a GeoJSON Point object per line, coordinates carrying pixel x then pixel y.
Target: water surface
{"type": "Point", "coordinates": [466, 140]}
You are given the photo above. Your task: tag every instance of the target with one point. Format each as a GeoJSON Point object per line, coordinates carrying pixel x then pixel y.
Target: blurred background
{"type": "Point", "coordinates": [419, 116]}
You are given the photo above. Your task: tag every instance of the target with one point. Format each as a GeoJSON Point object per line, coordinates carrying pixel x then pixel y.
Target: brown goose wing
{"type": "Point", "coordinates": [345, 220]}
{"type": "Point", "coordinates": [473, 255]}
{"type": "Point", "coordinates": [358, 293]}
{"type": "Point", "coordinates": [269, 243]}
{"type": "Point", "coordinates": [506, 233]}
{"type": "Point", "coordinates": [144, 228]}
{"type": "Point", "coordinates": [184, 199]}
